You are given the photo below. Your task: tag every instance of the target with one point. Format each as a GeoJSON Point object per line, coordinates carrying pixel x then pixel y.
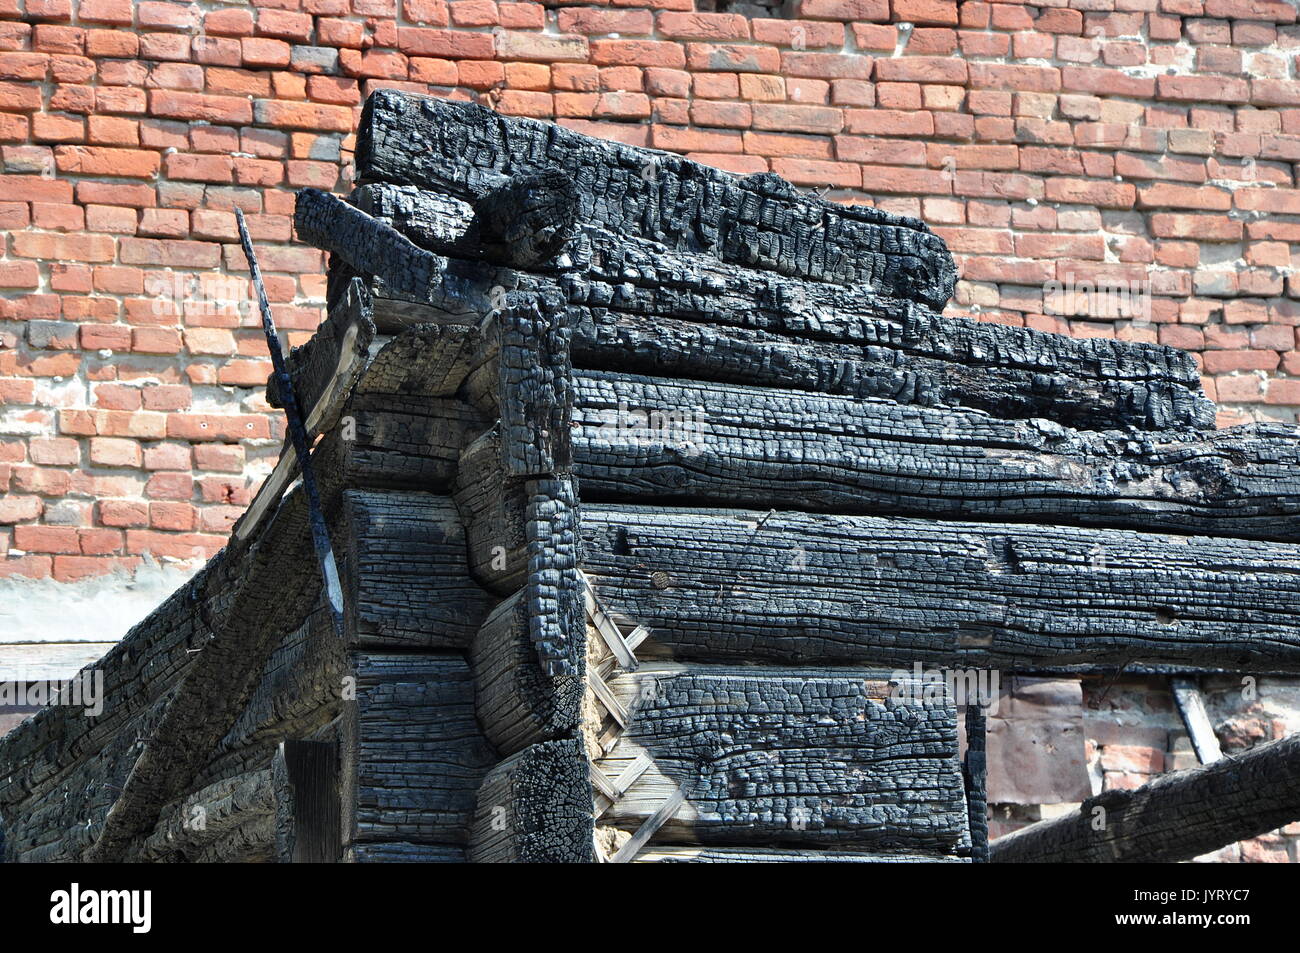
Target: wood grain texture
{"type": "Point", "coordinates": [535, 807]}
{"type": "Point", "coordinates": [803, 587]}
{"type": "Point", "coordinates": [637, 306]}
{"type": "Point", "coordinates": [795, 757]}
{"type": "Point", "coordinates": [413, 754]}
{"type": "Point", "coordinates": [407, 581]}
{"type": "Point", "coordinates": [640, 438]}
{"type": "Point", "coordinates": [516, 701]}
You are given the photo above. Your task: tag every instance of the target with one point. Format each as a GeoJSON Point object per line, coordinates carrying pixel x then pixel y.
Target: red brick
{"type": "Point", "coordinates": [47, 539]}
{"type": "Point", "coordinates": [219, 427]}
{"type": "Point", "coordinates": [192, 106]}
{"type": "Point", "coordinates": [658, 53]}
{"type": "Point", "coordinates": [20, 509]}
{"type": "Point", "coordinates": [925, 11]}
{"type": "Point", "coordinates": [123, 513]}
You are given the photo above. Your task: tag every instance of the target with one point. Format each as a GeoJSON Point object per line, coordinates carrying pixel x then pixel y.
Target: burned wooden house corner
{"type": "Point", "coordinates": [656, 495]}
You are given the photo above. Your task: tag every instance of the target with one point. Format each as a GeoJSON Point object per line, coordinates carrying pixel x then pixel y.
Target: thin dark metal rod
{"type": "Point", "coordinates": [298, 435]}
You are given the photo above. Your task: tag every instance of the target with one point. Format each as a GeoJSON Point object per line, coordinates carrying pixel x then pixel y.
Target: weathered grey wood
{"type": "Point", "coordinates": [516, 701]}
{"type": "Point", "coordinates": [404, 853]}
{"type": "Point", "coordinates": [1191, 706]}
{"type": "Point", "coordinates": [298, 696]}
{"type": "Point", "coordinates": [761, 221]}
{"type": "Point", "coordinates": [413, 755]}
{"type": "Point", "coordinates": [535, 807]}
{"type": "Point", "coordinates": [245, 614]}
{"type": "Point", "coordinates": [790, 756]}
{"type": "Point", "coordinates": [523, 533]}
{"type": "Point", "coordinates": [229, 821]}
{"type": "Point", "coordinates": [690, 442]}
{"type": "Point", "coordinates": [428, 360]}
{"type": "Point", "coordinates": [809, 587]}
{"type": "Point", "coordinates": [407, 579]}
{"type": "Point", "coordinates": [1174, 817]}
{"type": "Point", "coordinates": [493, 508]}
{"type": "Point", "coordinates": [403, 441]}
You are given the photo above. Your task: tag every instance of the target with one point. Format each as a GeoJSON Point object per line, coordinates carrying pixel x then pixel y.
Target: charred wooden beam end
{"type": "Point", "coordinates": [528, 220]}
{"type": "Point", "coordinates": [1172, 818]}
{"type": "Point", "coordinates": [761, 221]}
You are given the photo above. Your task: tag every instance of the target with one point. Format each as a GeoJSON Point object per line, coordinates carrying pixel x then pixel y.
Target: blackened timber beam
{"type": "Point", "coordinates": [679, 854]}
{"type": "Point", "coordinates": [845, 757]}
{"type": "Point", "coordinates": [809, 587]}
{"type": "Point", "coordinates": [452, 287]}
{"type": "Point", "coordinates": [1174, 817]}
{"type": "Point", "coordinates": [232, 820]}
{"type": "Point", "coordinates": [412, 753]}
{"type": "Point", "coordinates": [407, 577]}
{"type": "Point", "coordinates": [639, 307]}
{"type": "Point", "coordinates": [759, 221]}
{"type": "Point", "coordinates": [639, 438]}
{"type": "Point", "coordinates": [516, 701]}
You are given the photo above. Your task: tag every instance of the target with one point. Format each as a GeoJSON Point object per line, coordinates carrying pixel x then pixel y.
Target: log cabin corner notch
{"type": "Point", "coordinates": [650, 485]}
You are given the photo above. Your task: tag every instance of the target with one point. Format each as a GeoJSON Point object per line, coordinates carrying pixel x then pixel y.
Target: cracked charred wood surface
{"type": "Point", "coordinates": [688, 442]}
{"type": "Point", "coordinates": [638, 307]}
{"type": "Point", "coordinates": [228, 821]}
{"type": "Point", "coordinates": [802, 757]}
{"type": "Point", "coordinates": [803, 587]}
{"type": "Point", "coordinates": [535, 807]}
{"type": "Point", "coordinates": [298, 696]}
{"type": "Point", "coordinates": [1174, 817]}
{"type": "Point", "coordinates": [451, 286]}
{"type": "Point", "coordinates": [517, 702]}
{"type": "Point", "coordinates": [758, 221]}
{"type": "Point", "coordinates": [405, 441]}
{"type": "Point", "coordinates": [408, 581]}
{"type": "Point", "coordinates": [222, 677]}
{"type": "Point", "coordinates": [413, 754]}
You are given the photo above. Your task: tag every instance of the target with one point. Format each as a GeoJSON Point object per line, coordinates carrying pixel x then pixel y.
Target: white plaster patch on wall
{"type": "Point", "coordinates": [102, 609]}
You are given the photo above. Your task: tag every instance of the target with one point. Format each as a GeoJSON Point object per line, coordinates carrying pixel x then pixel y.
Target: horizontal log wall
{"type": "Point", "coordinates": [803, 587]}
{"type": "Point", "coordinates": [793, 756]}
{"type": "Point", "coordinates": [760, 221]}
{"type": "Point", "coordinates": [638, 307]}
{"type": "Point", "coordinates": [690, 443]}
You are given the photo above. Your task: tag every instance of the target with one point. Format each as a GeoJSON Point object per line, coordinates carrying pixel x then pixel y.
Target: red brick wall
{"type": "Point", "coordinates": [1135, 140]}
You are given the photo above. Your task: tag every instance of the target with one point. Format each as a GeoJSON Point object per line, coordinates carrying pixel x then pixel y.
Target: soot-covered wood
{"type": "Point", "coordinates": [806, 587]}
{"type": "Point", "coordinates": [689, 442]}
{"type": "Point", "coordinates": [759, 221]}
{"type": "Point", "coordinates": [636, 306]}
{"type": "Point", "coordinates": [795, 756]}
